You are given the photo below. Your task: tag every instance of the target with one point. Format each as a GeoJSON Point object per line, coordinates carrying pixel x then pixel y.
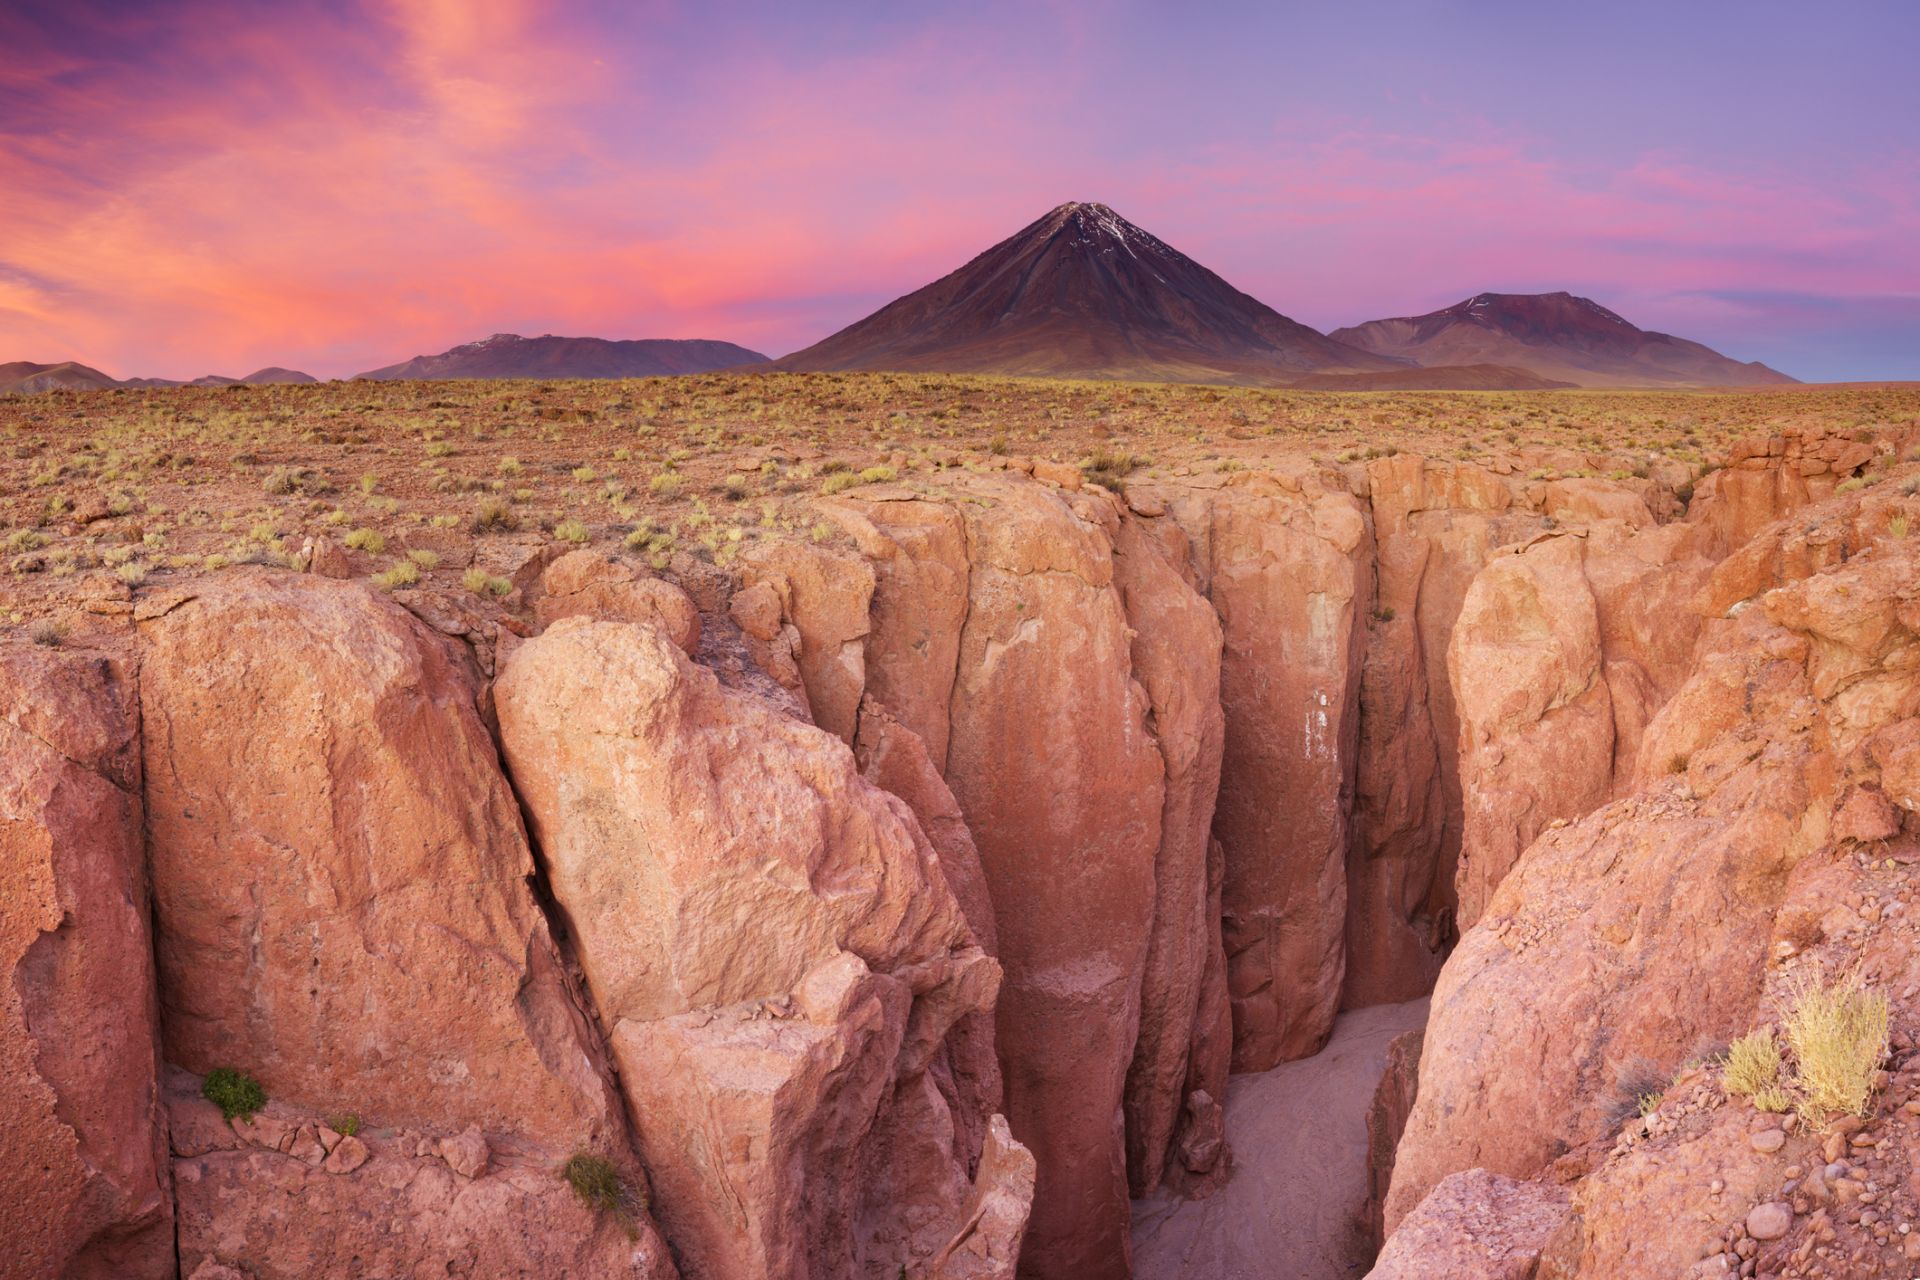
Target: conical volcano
{"type": "Point", "coordinates": [1083, 293]}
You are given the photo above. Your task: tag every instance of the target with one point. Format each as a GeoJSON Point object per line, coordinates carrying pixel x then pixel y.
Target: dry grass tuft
{"type": "Point", "coordinates": [1752, 1065]}
{"type": "Point", "coordinates": [1838, 1033]}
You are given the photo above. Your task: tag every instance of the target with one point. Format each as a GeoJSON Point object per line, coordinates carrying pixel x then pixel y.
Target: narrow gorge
{"type": "Point", "coordinates": [947, 891]}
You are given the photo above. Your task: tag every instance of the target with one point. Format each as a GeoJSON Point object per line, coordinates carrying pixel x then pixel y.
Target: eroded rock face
{"type": "Point", "coordinates": [1525, 665]}
{"type": "Point", "coordinates": [825, 594]}
{"type": "Point", "coordinates": [918, 550]}
{"type": "Point", "coordinates": [1180, 1061]}
{"type": "Point", "coordinates": [594, 584]}
{"type": "Point", "coordinates": [82, 1138]}
{"type": "Point", "coordinates": [988, 1245]}
{"type": "Point", "coordinates": [1644, 930]}
{"type": "Point", "coordinates": [1478, 1225]}
{"type": "Point", "coordinates": [1288, 567]}
{"type": "Point", "coordinates": [1436, 524]}
{"type": "Point", "coordinates": [772, 944]}
{"type": "Point", "coordinates": [1386, 1121]}
{"type": "Point", "coordinates": [285, 1197]}
{"type": "Point", "coordinates": [340, 874]}
{"type": "Point", "coordinates": [1565, 648]}
{"type": "Point", "coordinates": [1044, 695]}
{"type": "Point", "coordinates": [894, 758]}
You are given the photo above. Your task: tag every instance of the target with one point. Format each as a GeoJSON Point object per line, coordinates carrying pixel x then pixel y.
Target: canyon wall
{"type": "Point", "coordinates": [1756, 833]}
{"type": "Point", "coordinates": [900, 898]}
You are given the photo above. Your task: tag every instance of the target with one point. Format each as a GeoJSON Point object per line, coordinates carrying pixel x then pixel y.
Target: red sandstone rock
{"type": "Point", "coordinates": [1061, 781]}
{"type": "Point", "coordinates": [340, 873]}
{"type": "Point", "coordinates": [252, 1211]}
{"type": "Point", "coordinates": [894, 758]}
{"type": "Point", "coordinates": [1644, 929]}
{"type": "Point", "coordinates": [1386, 1121]}
{"type": "Point", "coordinates": [824, 593]}
{"type": "Point", "coordinates": [1399, 917]}
{"type": "Point", "coordinates": [1175, 656]}
{"type": "Point", "coordinates": [82, 1138]}
{"type": "Point", "coordinates": [1435, 525]}
{"type": "Point", "coordinates": [988, 1245]}
{"type": "Point", "coordinates": [1289, 572]}
{"type": "Point", "coordinates": [918, 550]}
{"type": "Point", "coordinates": [1525, 666]}
{"type": "Point", "coordinates": [594, 584]}
{"type": "Point", "coordinates": [1478, 1225]}
{"type": "Point", "coordinates": [772, 943]}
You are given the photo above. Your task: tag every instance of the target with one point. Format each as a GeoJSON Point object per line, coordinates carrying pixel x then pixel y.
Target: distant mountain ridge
{"type": "Point", "coordinates": [24, 377]}
{"type": "Point", "coordinates": [508, 355]}
{"type": "Point", "coordinates": [1558, 336]}
{"type": "Point", "coordinates": [1083, 293]}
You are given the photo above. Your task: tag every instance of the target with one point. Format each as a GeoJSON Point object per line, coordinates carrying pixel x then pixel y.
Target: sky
{"type": "Point", "coordinates": [212, 186]}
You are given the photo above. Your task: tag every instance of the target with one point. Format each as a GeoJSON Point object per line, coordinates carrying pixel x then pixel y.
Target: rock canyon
{"type": "Point", "coordinates": [958, 868]}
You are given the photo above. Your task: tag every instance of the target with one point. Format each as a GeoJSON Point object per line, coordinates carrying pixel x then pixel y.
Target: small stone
{"type": "Point", "coordinates": [466, 1154]}
{"type": "Point", "coordinates": [347, 1156]}
{"type": "Point", "coordinates": [1768, 1141]}
{"type": "Point", "coordinates": [1769, 1221]}
{"type": "Point", "coordinates": [306, 1146]}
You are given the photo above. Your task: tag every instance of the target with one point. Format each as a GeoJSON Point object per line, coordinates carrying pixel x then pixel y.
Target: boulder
{"type": "Point", "coordinates": [824, 593]}
{"type": "Point", "coordinates": [770, 940]}
{"type": "Point", "coordinates": [593, 584]}
{"type": "Point", "coordinates": [82, 1137]}
{"type": "Point", "coordinates": [340, 875]}
{"type": "Point", "coordinates": [1478, 1225]}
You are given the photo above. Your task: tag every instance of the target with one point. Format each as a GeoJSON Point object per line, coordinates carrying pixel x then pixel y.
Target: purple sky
{"type": "Point", "coordinates": [212, 185]}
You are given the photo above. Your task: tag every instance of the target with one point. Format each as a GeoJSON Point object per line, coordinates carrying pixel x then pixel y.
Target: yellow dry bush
{"type": "Point", "coordinates": [1753, 1064]}
{"type": "Point", "coordinates": [1838, 1033]}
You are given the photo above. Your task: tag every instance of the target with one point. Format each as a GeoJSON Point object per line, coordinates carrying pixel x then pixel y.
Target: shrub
{"type": "Point", "coordinates": [235, 1092]}
{"type": "Point", "coordinates": [735, 488]}
{"type": "Point", "coordinates": [368, 540]}
{"type": "Point", "coordinates": [1753, 1064]}
{"type": "Point", "coordinates": [424, 558]}
{"type": "Point", "coordinates": [1108, 468]}
{"type": "Point", "coordinates": [877, 475]}
{"type": "Point", "coordinates": [1838, 1034]}
{"type": "Point", "coordinates": [509, 466]}
{"type": "Point", "coordinates": [665, 485]}
{"type": "Point", "coordinates": [404, 573]}
{"type": "Point", "coordinates": [133, 573]}
{"type": "Point", "coordinates": [597, 1183]}
{"type": "Point", "coordinates": [346, 1126]}
{"type": "Point", "coordinates": [494, 514]}
{"type": "Point", "coordinates": [45, 631]}
{"type": "Point", "coordinates": [1639, 1085]}
{"type": "Point", "coordinates": [837, 481]}
{"type": "Point", "coordinates": [571, 531]}
{"type": "Point", "coordinates": [482, 583]}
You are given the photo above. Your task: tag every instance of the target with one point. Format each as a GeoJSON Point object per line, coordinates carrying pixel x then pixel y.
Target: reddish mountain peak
{"type": "Point", "coordinates": [1082, 292]}
{"type": "Point", "coordinates": [1555, 335]}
